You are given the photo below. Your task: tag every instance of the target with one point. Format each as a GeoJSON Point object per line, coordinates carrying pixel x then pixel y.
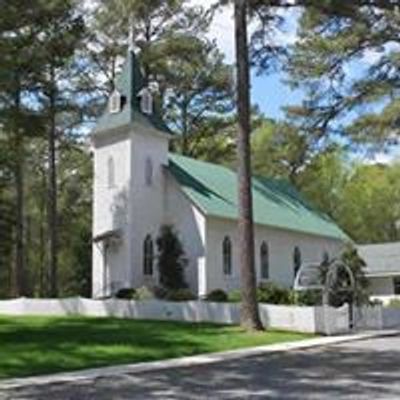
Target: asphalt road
{"type": "Point", "coordinates": [368, 369]}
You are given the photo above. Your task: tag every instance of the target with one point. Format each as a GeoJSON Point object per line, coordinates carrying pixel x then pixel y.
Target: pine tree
{"type": "Point", "coordinates": [171, 259]}
{"type": "Point", "coordinates": [249, 309]}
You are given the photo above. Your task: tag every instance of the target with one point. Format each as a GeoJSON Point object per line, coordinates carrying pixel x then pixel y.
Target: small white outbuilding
{"type": "Point", "coordinates": [139, 186]}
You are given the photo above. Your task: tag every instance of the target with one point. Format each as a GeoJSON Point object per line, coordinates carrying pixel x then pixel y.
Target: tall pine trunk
{"type": "Point", "coordinates": [249, 309]}
{"type": "Point", "coordinates": [19, 273]}
{"type": "Point", "coordinates": [52, 190]}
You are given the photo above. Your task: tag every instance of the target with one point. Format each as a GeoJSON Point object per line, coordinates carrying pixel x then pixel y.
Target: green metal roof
{"type": "Point", "coordinates": [129, 83]}
{"type": "Point", "coordinates": [213, 189]}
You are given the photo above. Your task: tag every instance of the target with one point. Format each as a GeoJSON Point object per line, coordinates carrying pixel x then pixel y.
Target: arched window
{"type": "Point", "coordinates": [148, 256]}
{"type": "Point", "coordinates": [111, 172]}
{"type": "Point", "coordinates": [148, 173]}
{"type": "Point", "coordinates": [296, 260]}
{"type": "Point", "coordinates": [264, 260]}
{"type": "Point", "coordinates": [227, 256]}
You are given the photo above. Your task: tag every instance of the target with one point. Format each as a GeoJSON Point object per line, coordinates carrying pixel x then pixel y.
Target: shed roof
{"type": "Point", "coordinates": [213, 188]}
{"type": "Point", "coordinates": [382, 259]}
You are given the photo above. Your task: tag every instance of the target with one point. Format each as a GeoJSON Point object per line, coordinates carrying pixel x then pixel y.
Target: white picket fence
{"type": "Point", "coordinates": [303, 319]}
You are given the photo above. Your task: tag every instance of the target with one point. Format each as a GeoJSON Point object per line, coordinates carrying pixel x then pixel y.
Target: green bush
{"type": "Point", "coordinates": [270, 293]}
{"type": "Point", "coordinates": [126, 294]}
{"type": "Point", "coordinates": [395, 303]}
{"type": "Point", "coordinates": [309, 298]}
{"type": "Point", "coordinates": [217, 295]}
{"type": "Point", "coordinates": [234, 296]}
{"type": "Point", "coordinates": [179, 295]}
{"type": "Point", "coordinates": [144, 293]}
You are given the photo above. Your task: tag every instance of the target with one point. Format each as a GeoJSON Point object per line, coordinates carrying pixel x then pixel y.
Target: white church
{"type": "Point", "coordinates": [139, 186]}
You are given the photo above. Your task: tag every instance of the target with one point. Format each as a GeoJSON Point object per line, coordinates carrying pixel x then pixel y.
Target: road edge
{"type": "Point", "coordinates": [202, 359]}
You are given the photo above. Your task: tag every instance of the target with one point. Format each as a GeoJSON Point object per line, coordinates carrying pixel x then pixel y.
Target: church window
{"type": "Point", "coordinates": [148, 173]}
{"type": "Point", "coordinates": [396, 284]}
{"type": "Point", "coordinates": [264, 260]}
{"type": "Point", "coordinates": [148, 255]}
{"type": "Point", "coordinates": [111, 172]}
{"type": "Point", "coordinates": [227, 256]}
{"type": "Point", "coordinates": [296, 260]}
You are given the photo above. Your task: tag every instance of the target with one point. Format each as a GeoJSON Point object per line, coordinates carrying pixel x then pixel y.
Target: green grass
{"type": "Point", "coordinates": [41, 345]}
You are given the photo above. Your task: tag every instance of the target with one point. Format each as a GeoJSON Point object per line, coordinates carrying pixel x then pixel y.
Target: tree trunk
{"type": "Point", "coordinates": [52, 191]}
{"type": "Point", "coordinates": [249, 309]}
{"type": "Point", "coordinates": [19, 276]}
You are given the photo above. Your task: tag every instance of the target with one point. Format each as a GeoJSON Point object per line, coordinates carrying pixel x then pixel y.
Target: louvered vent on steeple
{"type": "Point", "coordinates": [146, 101]}
{"type": "Point", "coordinates": [115, 102]}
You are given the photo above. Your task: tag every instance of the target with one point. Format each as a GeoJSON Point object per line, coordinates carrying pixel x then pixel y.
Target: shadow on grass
{"type": "Point", "coordinates": [40, 345]}
{"type": "Point", "coordinates": [337, 372]}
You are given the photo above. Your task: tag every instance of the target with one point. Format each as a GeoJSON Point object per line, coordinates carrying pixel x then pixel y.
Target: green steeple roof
{"type": "Point", "coordinates": [213, 189]}
{"type": "Point", "coordinates": [129, 83]}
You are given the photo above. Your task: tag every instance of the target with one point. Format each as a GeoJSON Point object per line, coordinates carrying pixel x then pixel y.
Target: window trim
{"type": "Point", "coordinates": [148, 256]}
{"type": "Point", "coordinates": [227, 256]}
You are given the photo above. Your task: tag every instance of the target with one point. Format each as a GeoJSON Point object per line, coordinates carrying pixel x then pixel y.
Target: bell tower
{"type": "Point", "coordinates": [130, 143]}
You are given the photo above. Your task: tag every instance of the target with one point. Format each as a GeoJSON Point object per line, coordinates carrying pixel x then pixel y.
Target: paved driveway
{"type": "Point", "coordinates": [368, 369]}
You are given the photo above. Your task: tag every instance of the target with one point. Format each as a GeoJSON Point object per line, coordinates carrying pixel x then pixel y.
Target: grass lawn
{"type": "Point", "coordinates": [41, 345]}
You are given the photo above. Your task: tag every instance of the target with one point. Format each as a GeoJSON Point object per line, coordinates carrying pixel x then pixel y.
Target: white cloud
{"type": "Point", "coordinates": [386, 158]}
{"type": "Point", "coordinates": [222, 28]}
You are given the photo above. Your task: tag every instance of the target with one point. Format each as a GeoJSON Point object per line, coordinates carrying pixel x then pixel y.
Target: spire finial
{"type": "Point", "coordinates": [131, 35]}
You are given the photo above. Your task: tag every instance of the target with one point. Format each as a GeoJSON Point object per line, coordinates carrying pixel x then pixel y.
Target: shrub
{"type": "Point", "coordinates": [309, 298]}
{"type": "Point", "coordinates": [144, 293]}
{"type": "Point", "coordinates": [395, 303]}
{"type": "Point", "coordinates": [126, 294]}
{"type": "Point", "coordinates": [217, 295]}
{"type": "Point", "coordinates": [234, 296]}
{"type": "Point", "coordinates": [180, 295]}
{"type": "Point", "coordinates": [171, 259]}
{"type": "Point", "coordinates": [272, 294]}
{"type": "Point", "coordinates": [160, 292]}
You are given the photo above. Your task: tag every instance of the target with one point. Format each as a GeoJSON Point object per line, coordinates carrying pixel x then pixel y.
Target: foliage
{"type": "Point", "coordinates": [270, 293]}
{"type": "Point", "coordinates": [182, 294]}
{"type": "Point", "coordinates": [113, 342]}
{"type": "Point", "coordinates": [234, 296]}
{"type": "Point", "coordinates": [144, 293]}
{"type": "Point", "coordinates": [308, 298]}
{"type": "Point", "coordinates": [394, 303]}
{"type": "Point", "coordinates": [337, 296]}
{"type": "Point", "coordinates": [282, 150]}
{"type": "Point", "coordinates": [126, 294]}
{"type": "Point", "coordinates": [336, 41]}
{"type": "Point", "coordinates": [171, 259]}
{"type": "Point", "coordinates": [217, 295]}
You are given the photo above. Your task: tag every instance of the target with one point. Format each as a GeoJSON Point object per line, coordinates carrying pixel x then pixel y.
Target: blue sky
{"type": "Point", "coordinates": [270, 91]}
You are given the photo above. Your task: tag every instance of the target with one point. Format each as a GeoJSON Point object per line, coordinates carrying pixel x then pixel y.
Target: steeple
{"type": "Point", "coordinates": [129, 86]}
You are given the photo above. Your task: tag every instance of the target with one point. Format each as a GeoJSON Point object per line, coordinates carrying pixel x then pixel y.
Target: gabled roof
{"type": "Point", "coordinates": [213, 189]}
{"type": "Point", "coordinates": [129, 83]}
{"type": "Point", "coordinates": [382, 259]}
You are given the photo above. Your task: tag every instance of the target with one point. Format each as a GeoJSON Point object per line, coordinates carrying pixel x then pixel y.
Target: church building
{"type": "Point", "coordinates": [140, 186]}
